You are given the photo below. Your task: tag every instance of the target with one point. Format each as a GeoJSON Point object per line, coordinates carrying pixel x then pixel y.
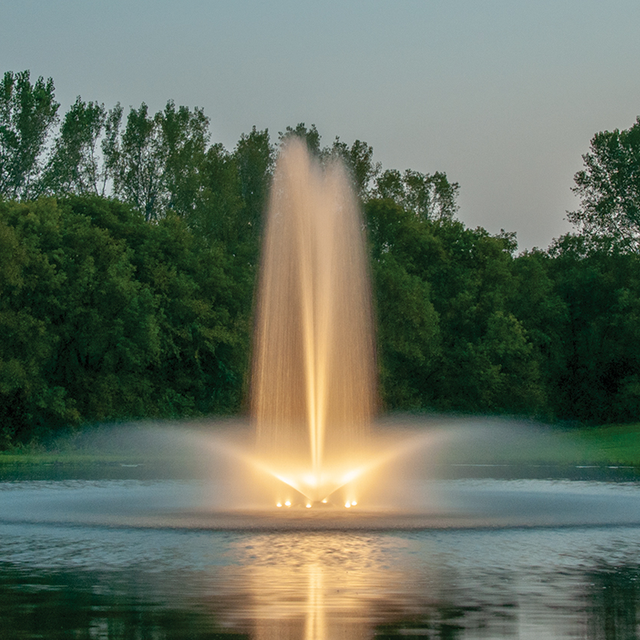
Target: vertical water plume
{"type": "Point", "coordinates": [313, 376]}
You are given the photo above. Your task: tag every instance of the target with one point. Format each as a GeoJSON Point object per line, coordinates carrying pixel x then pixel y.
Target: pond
{"type": "Point", "coordinates": [141, 557]}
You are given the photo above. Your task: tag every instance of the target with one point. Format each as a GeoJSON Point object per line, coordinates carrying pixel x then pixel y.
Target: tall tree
{"type": "Point", "coordinates": [489, 361]}
{"type": "Point", "coordinates": [429, 196]}
{"type": "Point", "coordinates": [75, 165]}
{"type": "Point", "coordinates": [156, 161]}
{"type": "Point", "coordinates": [409, 341]}
{"type": "Point", "coordinates": [103, 316]}
{"type": "Point", "coordinates": [220, 213]}
{"type": "Point", "coordinates": [184, 136]}
{"type": "Point", "coordinates": [27, 112]}
{"type": "Point", "coordinates": [359, 161]}
{"type": "Point", "coordinates": [609, 190]}
{"type": "Point", "coordinates": [255, 158]}
{"type": "Point", "coordinates": [138, 161]}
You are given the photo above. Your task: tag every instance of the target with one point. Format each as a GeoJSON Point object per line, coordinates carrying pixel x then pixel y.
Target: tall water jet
{"type": "Point", "coordinates": [313, 384]}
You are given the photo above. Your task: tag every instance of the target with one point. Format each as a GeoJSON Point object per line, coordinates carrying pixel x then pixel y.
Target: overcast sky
{"type": "Point", "coordinates": [504, 96]}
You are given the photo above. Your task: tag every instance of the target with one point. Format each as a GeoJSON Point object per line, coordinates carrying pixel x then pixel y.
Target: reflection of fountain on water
{"type": "Point", "coordinates": [90, 582]}
{"type": "Point", "coordinates": [313, 376]}
{"type": "Point", "coordinates": [317, 586]}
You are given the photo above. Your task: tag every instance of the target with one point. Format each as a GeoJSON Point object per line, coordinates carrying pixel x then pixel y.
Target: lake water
{"type": "Point", "coordinates": [489, 558]}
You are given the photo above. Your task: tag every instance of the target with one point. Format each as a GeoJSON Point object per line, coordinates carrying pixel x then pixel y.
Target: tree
{"type": "Point", "coordinates": [104, 317]}
{"type": "Point", "coordinates": [431, 197]}
{"type": "Point", "coordinates": [219, 211]}
{"type": "Point", "coordinates": [27, 113]}
{"type": "Point", "coordinates": [136, 160]}
{"type": "Point", "coordinates": [408, 336]}
{"type": "Point", "coordinates": [489, 363]}
{"type": "Point", "coordinates": [75, 165]}
{"type": "Point", "coordinates": [600, 340]}
{"type": "Point", "coordinates": [544, 314]}
{"type": "Point", "coordinates": [255, 159]}
{"type": "Point", "coordinates": [155, 163]}
{"type": "Point", "coordinates": [359, 161]}
{"type": "Point", "coordinates": [408, 326]}
{"type": "Point", "coordinates": [30, 302]}
{"type": "Point", "coordinates": [448, 334]}
{"type": "Point", "coordinates": [609, 190]}
{"type": "Point", "coordinates": [195, 340]}
{"type": "Point", "coordinates": [185, 135]}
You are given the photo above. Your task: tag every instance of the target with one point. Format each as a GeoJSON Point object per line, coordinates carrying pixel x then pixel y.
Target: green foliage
{"type": "Point", "coordinates": [155, 161]}
{"type": "Point", "coordinates": [184, 143]}
{"type": "Point", "coordinates": [220, 211]}
{"type": "Point", "coordinates": [601, 341]}
{"type": "Point", "coordinates": [359, 160]}
{"type": "Point", "coordinates": [543, 312]}
{"type": "Point", "coordinates": [126, 289]}
{"type": "Point", "coordinates": [431, 197]}
{"type": "Point", "coordinates": [487, 348]}
{"type": "Point", "coordinates": [609, 190]}
{"type": "Point", "coordinates": [447, 337]}
{"type": "Point", "coordinates": [27, 113]}
{"type": "Point", "coordinates": [28, 310]}
{"type": "Point", "coordinates": [254, 156]}
{"type": "Point", "coordinates": [74, 166]}
{"type": "Point", "coordinates": [103, 316]}
{"type": "Point", "coordinates": [409, 342]}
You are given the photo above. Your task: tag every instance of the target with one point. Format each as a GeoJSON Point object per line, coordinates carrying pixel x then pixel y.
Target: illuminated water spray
{"type": "Point", "coordinates": [313, 375]}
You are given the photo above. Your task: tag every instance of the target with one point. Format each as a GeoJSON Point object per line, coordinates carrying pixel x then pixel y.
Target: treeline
{"type": "Point", "coordinates": [104, 316]}
{"type": "Point", "coordinates": [129, 251]}
{"type": "Point", "coordinates": [466, 324]}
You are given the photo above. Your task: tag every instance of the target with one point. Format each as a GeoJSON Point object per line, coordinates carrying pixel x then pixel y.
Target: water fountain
{"type": "Point", "coordinates": [311, 441]}
{"type": "Point", "coordinates": [313, 384]}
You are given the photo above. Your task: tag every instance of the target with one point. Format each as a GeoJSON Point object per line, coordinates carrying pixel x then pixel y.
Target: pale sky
{"type": "Point", "coordinates": [504, 96]}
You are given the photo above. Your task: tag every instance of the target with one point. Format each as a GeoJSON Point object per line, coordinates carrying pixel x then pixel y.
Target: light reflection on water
{"type": "Point", "coordinates": [73, 580]}
{"type": "Point", "coordinates": [319, 585]}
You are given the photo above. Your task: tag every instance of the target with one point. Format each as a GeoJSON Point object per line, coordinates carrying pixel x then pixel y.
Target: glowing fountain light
{"type": "Point", "coordinates": [313, 372]}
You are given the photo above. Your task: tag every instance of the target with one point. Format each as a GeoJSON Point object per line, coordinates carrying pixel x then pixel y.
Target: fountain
{"type": "Point", "coordinates": [312, 441]}
{"type": "Point", "coordinates": [313, 386]}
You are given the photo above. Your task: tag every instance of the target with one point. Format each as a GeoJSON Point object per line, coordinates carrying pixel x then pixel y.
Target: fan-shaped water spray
{"type": "Point", "coordinates": [313, 377]}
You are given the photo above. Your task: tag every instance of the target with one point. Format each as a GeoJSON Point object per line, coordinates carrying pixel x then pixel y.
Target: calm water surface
{"type": "Point", "coordinates": [74, 563]}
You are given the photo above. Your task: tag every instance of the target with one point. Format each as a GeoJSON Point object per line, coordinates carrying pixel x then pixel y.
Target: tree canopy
{"type": "Point", "coordinates": [27, 114]}
{"type": "Point", "coordinates": [609, 190]}
{"type": "Point", "coordinates": [129, 248]}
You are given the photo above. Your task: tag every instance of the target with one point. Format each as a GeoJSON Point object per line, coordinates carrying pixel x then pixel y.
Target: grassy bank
{"type": "Point", "coordinates": [613, 444]}
{"type": "Point", "coordinates": [515, 444]}
{"type": "Point", "coordinates": [30, 457]}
